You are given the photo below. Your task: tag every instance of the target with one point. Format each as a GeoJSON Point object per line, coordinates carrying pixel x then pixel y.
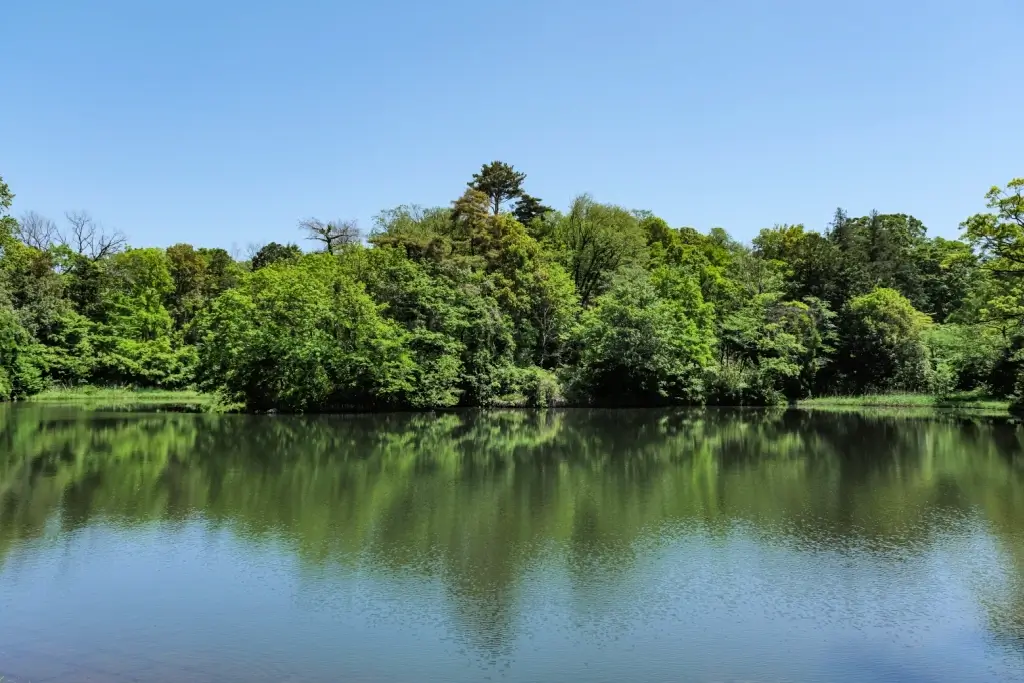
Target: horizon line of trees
{"type": "Point", "coordinates": [500, 300]}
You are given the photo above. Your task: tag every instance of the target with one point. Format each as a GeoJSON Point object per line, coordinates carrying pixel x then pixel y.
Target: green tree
{"type": "Point", "coordinates": [998, 296]}
{"type": "Point", "coordinates": [998, 236]}
{"type": "Point", "coordinates": [597, 240]}
{"type": "Point", "coordinates": [751, 276]}
{"type": "Point", "coordinates": [947, 272]}
{"type": "Point", "coordinates": [423, 234]}
{"type": "Point", "coordinates": [134, 335]}
{"type": "Point", "coordinates": [529, 208]}
{"type": "Point", "coordinates": [890, 241]}
{"type": "Point", "coordinates": [67, 353]}
{"type": "Point", "coordinates": [222, 272]}
{"type": "Point", "coordinates": [199, 276]}
{"type": "Point", "coordinates": [470, 219]}
{"type": "Point", "coordinates": [882, 344]}
{"type": "Point", "coordinates": [656, 230]}
{"type": "Point", "coordinates": [38, 295]}
{"type": "Point", "coordinates": [20, 374]}
{"type": "Point", "coordinates": [648, 340]}
{"type": "Point", "coordinates": [500, 289]}
{"type": "Point", "coordinates": [772, 349]}
{"type": "Point", "coordinates": [273, 252]}
{"type": "Point", "coordinates": [503, 185]}
{"type": "Point", "coordinates": [841, 232]}
{"type": "Point", "coordinates": [8, 226]}
{"type": "Point", "coordinates": [968, 358]}
{"type": "Point", "coordinates": [531, 289]}
{"type": "Point", "coordinates": [428, 305]}
{"type": "Point", "coordinates": [553, 308]}
{"type": "Point", "coordinates": [499, 182]}
{"type": "Point", "coordinates": [303, 337]}
{"type": "Point", "coordinates": [188, 275]}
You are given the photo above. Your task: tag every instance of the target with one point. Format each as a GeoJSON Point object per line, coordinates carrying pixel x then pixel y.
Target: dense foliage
{"type": "Point", "coordinates": [500, 300]}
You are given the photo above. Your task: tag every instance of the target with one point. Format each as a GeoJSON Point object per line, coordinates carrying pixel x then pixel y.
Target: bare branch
{"type": "Point", "coordinates": [333, 234]}
{"type": "Point", "coordinates": [108, 243]}
{"type": "Point", "coordinates": [314, 228]}
{"type": "Point", "coordinates": [87, 239]}
{"type": "Point", "coordinates": [251, 249]}
{"type": "Point", "coordinates": [36, 230]}
{"type": "Point", "coordinates": [346, 232]}
{"type": "Point", "coordinates": [80, 233]}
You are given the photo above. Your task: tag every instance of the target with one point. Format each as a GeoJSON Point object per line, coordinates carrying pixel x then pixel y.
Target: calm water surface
{"type": "Point", "coordinates": [566, 546]}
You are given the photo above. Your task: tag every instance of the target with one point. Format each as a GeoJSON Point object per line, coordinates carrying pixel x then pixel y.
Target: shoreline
{"type": "Point", "coordinates": [119, 395]}
{"type": "Point", "coordinates": [953, 402]}
{"type": "Point", "coordinates": [969, 402]}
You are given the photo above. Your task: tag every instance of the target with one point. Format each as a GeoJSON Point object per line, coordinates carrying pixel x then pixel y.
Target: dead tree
{"type": "Point", "coordinates": [36, 231]}
{"type": "Point", "coordinates": [333, 235]}
{"type": "Point", "coordinates": [87, 239]}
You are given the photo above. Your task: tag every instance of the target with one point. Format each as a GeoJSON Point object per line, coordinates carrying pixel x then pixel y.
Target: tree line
{"type": "Point", "coordinates": [499, 300]}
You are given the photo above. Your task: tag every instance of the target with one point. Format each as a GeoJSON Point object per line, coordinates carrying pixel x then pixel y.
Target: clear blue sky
{"type": "Point", "coordinates": [223, 122]}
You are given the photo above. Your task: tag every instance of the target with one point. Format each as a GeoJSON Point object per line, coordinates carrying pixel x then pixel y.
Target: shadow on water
{"type": "Point", "coordinates": [477, 501]}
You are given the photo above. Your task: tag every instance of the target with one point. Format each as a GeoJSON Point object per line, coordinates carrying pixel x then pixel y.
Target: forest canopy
{"type": "Point", "coordinates": [500, 300]}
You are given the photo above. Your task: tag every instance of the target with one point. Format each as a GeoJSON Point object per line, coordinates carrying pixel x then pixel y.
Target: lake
{"type": "Point", "coordinates": [716, 546]}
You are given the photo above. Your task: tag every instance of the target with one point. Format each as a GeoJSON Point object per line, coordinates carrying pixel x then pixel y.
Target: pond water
{"type": "Point", "coordinates": [551, 546]}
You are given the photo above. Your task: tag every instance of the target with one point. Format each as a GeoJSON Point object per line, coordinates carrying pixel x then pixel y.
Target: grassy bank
{"type": "Point", "coordinates": [119, 395]}
{"type": "Point", "coordinates": [967, 401]}
{"type": "Point", "coordinates": [126, 395]}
